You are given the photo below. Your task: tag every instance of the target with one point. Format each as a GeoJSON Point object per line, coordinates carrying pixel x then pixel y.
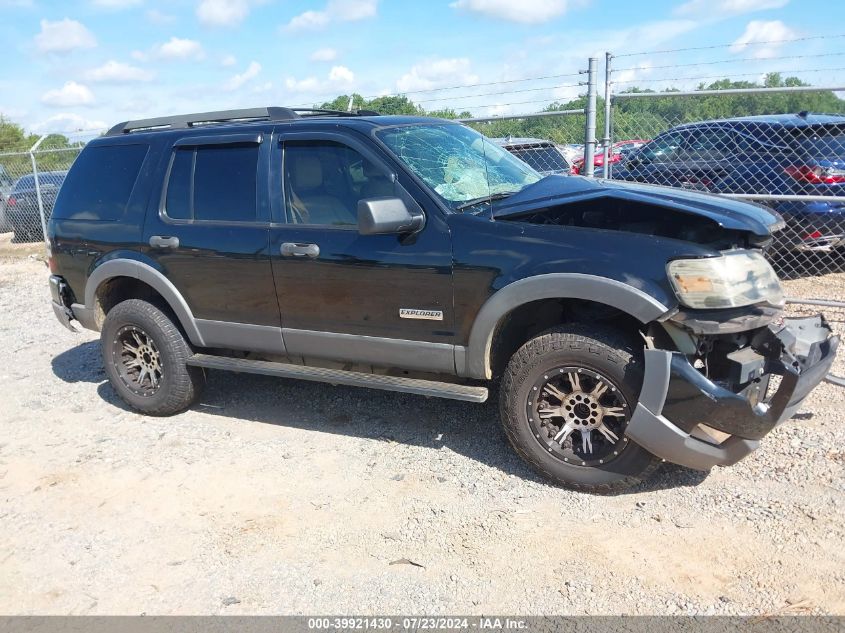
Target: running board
{"type": "Point", "coordinates": [342, 377]}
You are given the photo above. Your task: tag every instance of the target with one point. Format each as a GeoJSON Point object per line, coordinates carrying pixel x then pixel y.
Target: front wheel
{"type": "Point", "coordinates": [566, 399]}
{"type": "Point", "coordinates": [145, 355]}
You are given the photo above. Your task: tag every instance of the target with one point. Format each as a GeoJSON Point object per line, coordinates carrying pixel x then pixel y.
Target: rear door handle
{"type": "Point", "coordinates": [292, 249]}
{"type": "Point", "coordinates": [160, 241]}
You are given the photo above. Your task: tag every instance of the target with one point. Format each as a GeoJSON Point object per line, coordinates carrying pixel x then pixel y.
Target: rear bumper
{"type": "Point", "coordinates": [65, 311]}
{"type": "Point", "coordinates": [812, 226]}
{"type": "Point", "coordinates": [677, 399]}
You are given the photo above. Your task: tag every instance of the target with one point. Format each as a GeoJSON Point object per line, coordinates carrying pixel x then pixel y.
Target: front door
{"type": "Point", "coordinates": [384, 300]}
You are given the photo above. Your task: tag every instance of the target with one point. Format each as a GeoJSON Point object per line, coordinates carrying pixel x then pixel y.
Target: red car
{"type": "Point", "coordinates": [617, 152]}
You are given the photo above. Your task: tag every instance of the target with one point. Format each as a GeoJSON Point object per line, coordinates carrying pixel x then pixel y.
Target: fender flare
{"type": "Point", "coordinates": [640, 305]}
{"type": "Point", "coordinates": [153, 278]}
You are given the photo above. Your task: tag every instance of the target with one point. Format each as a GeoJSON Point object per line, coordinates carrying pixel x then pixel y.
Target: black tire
{"type": "Point", "coordinates": [597, 351]}
{"type": "Point", "coordinates": [176, 386]}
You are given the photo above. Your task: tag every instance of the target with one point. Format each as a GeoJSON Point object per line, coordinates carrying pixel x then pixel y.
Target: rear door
{"type": "Point", "coordinates": [377, 299]}
{"type": "Point", "coordinates": [660, 162]}
{"type": "Point", "coordinates": [209, 234]}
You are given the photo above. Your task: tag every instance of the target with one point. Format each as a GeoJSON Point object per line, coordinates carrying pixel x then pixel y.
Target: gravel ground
{"type": "Point", "coordinates": [276, 496]}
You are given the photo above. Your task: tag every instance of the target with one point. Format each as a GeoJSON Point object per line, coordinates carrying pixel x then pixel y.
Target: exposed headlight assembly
{"type": "Point", "coordinates": [736, 279]}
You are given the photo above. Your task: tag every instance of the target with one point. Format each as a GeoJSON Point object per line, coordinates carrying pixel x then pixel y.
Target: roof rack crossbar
{"type": "Point", "coordinates": [184, 121]}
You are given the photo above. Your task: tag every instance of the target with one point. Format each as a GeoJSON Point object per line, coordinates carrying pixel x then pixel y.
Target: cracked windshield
{"type": "Point", "coordinates": [461, 165]}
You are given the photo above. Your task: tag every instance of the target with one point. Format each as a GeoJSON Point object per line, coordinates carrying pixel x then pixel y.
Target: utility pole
{"type": "Point", "coordinates": [590, 131]}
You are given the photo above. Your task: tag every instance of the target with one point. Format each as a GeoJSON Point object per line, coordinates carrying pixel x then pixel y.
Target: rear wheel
{"type": "Point", "coordinates": [566, 399]}
{"type": "Point", "coordinates": [145, 356]}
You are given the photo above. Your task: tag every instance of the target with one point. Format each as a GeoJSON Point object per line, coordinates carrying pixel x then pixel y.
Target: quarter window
{"type": "Point", "coordinates": [213, 183]}
{"type": "Point", "coordinates": [99, 184]}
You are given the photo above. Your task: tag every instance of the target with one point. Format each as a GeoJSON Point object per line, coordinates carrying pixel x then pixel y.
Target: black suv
{"type": "Point", "coordinates": [624, 323]}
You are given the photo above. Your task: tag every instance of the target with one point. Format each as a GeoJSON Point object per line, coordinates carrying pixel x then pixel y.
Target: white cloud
{"type": "Point", "coordinates": [341, 74]}
{"type": "Point", "coordinates": [523, 12]}
{"type": "Point", "coordinates": [240, 79]}
{"type": "Point", "coordinates": [309, 84]}
{"type": "Point", "coordinates": [66, 123]}
{"type": "Point", "coordinates": [176, 48]}
{"type": "Point", "coordinates": [159, 17]}
{"type": "Point", "coordinates": [437, 73]}
{"type": "Point", "coordinates": [324, 55]}
{"type": "Point", "coordinates": [335, 11]}
{"type": "Point", "coordinates": [339, 77]}
{"type": "Point", "coordinates": [763, 38]}
{"type": "Point", "coordinates": [70, 95]}
{"type": "Point", "coordinates": [224, 12]}
{"type": "Point", "coordinates": [63, 36]}
{"type": "Point", "coordinates": [626, 76]}
{"type": "Point", "coordinates": [118, 72]}
{"type": "Point", "coordinates": [227, 61]}
{"type": "Point", "coordinates": [724, 8]}
{"type": "Point", "coordinates": [116, 4]}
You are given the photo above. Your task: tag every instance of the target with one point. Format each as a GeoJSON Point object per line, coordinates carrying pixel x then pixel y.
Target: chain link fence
{"type": "Point", "coordinates": [30, 178]}
{"type": "Point", "coordinates": [786, 158]}
{"type": "Point", "coordinates": [550, 142]}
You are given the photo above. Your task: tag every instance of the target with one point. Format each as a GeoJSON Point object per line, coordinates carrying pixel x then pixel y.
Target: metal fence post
{"type": "Point", "coordinates": [607, 140]}
{"type": "Point", "coordinates": [38, 187]}
{"type": "Point", "coordinates": [590, 131]}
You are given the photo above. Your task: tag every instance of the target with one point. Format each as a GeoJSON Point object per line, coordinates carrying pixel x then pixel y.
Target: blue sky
{"type": "Point", "coordinates": [85, 64]}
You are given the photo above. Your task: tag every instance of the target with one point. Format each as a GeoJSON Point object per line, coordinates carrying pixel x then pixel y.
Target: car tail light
{"type": "Point", "coordinates": [813, 236]}
{"type": "Point", "coordinates": [11, 201]}
{"type": "Point", "coordinates": [816, 175]}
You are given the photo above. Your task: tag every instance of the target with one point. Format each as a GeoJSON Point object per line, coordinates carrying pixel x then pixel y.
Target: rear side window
{"type": "Point", "coordinates": [542, 158]}
{"type": "Point", "coordinates": [213, 183]}
{"type": "Point", "coordinates": [100, 183]}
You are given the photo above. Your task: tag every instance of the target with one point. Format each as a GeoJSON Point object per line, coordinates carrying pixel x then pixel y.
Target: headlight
{"type": "Point", "coordinates": [735, 279]}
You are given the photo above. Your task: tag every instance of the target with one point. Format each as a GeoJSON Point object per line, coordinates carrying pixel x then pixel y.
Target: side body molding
{"type": "Point", "coordinates": [624, 297]}
{"type": "Point", "coordinates": [150, 276]}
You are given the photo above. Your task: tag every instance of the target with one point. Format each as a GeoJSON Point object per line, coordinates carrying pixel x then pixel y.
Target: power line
{"type": "Point", "coordinates": [703, 48]}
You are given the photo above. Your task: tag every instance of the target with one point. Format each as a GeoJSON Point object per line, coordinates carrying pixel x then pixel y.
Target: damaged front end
{"type": "Point", "coordinates": [728, 386]}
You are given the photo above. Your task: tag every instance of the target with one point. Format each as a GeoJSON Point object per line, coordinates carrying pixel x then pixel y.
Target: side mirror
{"type": "Point", "coordinates": [378, 216]}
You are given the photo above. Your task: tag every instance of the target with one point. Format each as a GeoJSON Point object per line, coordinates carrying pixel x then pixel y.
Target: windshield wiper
{"type": "Point", "coordinates": [490, 198]}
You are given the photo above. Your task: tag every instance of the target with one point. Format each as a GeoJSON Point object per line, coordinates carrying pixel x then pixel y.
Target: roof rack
{"type": "Point", "coordinates": [185, 121]}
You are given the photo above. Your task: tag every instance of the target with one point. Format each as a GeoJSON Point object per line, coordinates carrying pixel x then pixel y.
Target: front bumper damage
{"type": "Point", "coordinates": [678, 401]}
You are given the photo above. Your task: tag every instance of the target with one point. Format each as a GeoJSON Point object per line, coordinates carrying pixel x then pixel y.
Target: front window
{"type": "Point", "coordinates": [458, 163]}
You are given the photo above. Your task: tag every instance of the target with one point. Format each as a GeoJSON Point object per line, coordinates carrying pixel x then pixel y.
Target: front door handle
{"type": "Point", "coordinates": [160, 241]}
{"type": "Point", "coordinates": [293, 249]}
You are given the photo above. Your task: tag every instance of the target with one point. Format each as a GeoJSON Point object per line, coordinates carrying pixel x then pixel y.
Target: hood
{"type": "Point", "coordinates": [561, 190]}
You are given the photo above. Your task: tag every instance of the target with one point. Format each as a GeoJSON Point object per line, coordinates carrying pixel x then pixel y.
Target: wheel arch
{"type": "Point", "coordinates": [146, 274]}
{"type": "Point", "coordinates": [578, 286]}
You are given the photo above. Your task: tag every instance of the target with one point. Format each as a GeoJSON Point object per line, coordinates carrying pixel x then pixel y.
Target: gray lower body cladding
{"type": "Point", "coordinates": [676, 398]}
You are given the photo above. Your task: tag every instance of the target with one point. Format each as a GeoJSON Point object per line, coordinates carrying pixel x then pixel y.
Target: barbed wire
{"type": "Point", "coordinates": [507, 92]}
{"type": "Point", "coordinates": [713, 46]}
{"type": "Point", "coordinates": [443, 88]}
{"type": "Point", "coordinates": [731, 61]}
{"type": "Point", "coordinates": [722, 76]}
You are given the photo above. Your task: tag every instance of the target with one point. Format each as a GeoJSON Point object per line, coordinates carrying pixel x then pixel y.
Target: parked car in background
{"type": "Point", "coordinates": [617, 152]}
{"type": "Point", "coordinates": [784, 154]}
{"type": "Point", "coordinates": [571, 151]}
{"type": "Point", "coordinates": [22, 212]}
{"type": "Point", "coordinates": [6, 184]}
{"type": "Point", "coordinates": [542, 155]}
